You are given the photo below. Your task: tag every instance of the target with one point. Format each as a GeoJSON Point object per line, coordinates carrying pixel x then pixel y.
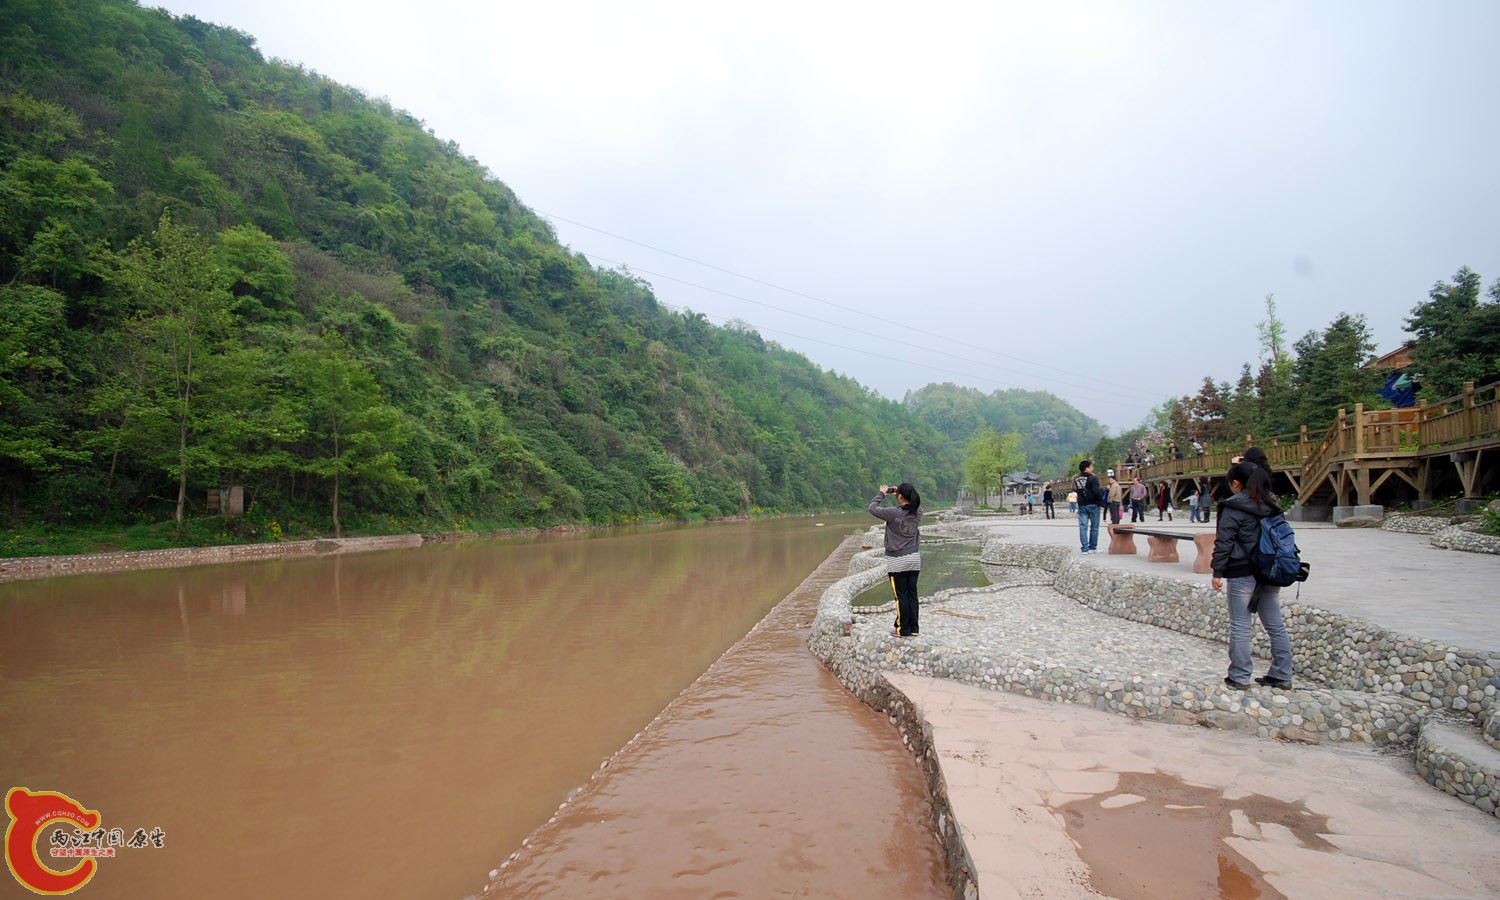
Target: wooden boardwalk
{"type": "Point", "coordinates": [1367, 457]}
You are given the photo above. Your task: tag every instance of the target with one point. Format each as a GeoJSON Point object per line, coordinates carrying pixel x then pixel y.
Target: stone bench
{"type": "Point", "coordinates": [1163, 544]}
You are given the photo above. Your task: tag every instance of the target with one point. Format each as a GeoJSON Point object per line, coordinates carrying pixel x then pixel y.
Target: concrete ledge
{"type": "Point", "coordinates": [1340, 513]}
{"type": "Point", "coordinates": [28, 567]}
{"type": "Point", "coordinates": [1300, 513]}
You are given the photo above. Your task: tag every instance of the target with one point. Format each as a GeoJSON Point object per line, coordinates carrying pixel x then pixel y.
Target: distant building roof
{"type": "Point", "coordinates": [1399, 358]}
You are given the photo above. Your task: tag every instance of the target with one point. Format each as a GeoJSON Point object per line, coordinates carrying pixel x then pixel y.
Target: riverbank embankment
{"type": "Point", "coordinates": [22, 568]}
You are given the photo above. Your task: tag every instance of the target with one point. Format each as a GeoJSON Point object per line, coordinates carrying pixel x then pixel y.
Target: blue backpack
{"type": "Point", "coordinates": [1275, 557]}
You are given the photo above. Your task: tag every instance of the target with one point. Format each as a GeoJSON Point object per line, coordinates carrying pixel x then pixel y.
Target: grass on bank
{"type": "Point", "coordinates": [254, 527]}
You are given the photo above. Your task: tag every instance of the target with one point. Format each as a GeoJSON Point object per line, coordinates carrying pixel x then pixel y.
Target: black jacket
{"type": "Point", "coordinates": [1239, 533]}
{"type": "Point", "coordinates": [1089, 492]}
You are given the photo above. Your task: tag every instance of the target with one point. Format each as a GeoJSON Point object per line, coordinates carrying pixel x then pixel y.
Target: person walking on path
{"type": "Point", "coordinates": [1193, 504]}
{"type": "Point", "coordinates": [1205, 500]}
{"type": "Point", "coordinates": [903, 558]}
{"type": "Point", "coordinates": [1137, 501]}
{"type": "Point", "coordinates": [1090, 495]}
{"type": "Point", "coordinates": [1047, 506]}
{"type": "Point", "coordinates": [1072, 501]}
{"type": "Point", "coordinates": [1236, 539]}
{"type": "Point", "coordinates": [1115, 496]}
{"type": "Point", "coordinates": [1164, 502]}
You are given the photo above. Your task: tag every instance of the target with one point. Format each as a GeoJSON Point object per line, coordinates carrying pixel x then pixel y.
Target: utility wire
{"type": "Point", "coordinates": [1113, 389]}
{"type": "Point", "coordinates": [849, 309]}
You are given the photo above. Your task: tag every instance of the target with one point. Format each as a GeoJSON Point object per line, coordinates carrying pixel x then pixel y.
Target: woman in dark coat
{"type": "Point", "coordinates": [903, 559]}
{"type": "Point", "coordinates": [1237, 537]}
{"type": "Point", "coordinates": [1164, 502]}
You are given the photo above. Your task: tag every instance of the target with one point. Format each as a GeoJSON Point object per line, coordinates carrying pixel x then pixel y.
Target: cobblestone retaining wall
{"type": "Point", "coordinates": [22, 568]}
{"type": "Point", "coordinates": [1444, 763]}
{"type": "Point", "coordinates": [1342, 652]}
{"type": "Point", "coordinates": [1445, 534]}
{"type": "Point", "coordinates": [831, 643]}
{"type": "Point", "coordinates": [861, 649]}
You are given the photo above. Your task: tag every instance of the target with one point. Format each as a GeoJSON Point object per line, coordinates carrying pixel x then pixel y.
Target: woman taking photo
{"type": "Point", "coordinates": [1237, 537]}
{"type": "Point", "coordinates": [903, 562]}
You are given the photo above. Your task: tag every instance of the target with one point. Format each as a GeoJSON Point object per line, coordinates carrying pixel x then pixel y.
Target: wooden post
{"type": "Point", "coordinates": [1359, 428]}
{"type": "Point", "coordinates": [1302, 444]}
{"type": "Point", "coordinates": [1470, 424]}
{"type": "Point", "coordinates": [1340, 426]}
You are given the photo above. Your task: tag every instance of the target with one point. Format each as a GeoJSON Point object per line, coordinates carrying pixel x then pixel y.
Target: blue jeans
{"type": "Point", "coordinates": [1088, 527]}
{"type": "Point", "coordinates": [1240, 592]}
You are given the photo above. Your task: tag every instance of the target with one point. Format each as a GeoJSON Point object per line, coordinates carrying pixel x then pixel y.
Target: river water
{"type": "Point", "coordinates": [376, 725]}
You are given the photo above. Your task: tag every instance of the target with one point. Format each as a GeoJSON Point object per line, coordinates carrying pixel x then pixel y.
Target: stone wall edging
{"type": "Point", "coordinates": [831, 644]}
{"type": "Point", "coordinates": [1414, 524]}
{"type": "Point", "coordinates": [28, 567]}
{"type": "Point", "coordinates": [1342, 652]}
{"type": "Point", "coordinates": [1457, 774]}
{"type": "Point", "coordinates": [1460, 537]}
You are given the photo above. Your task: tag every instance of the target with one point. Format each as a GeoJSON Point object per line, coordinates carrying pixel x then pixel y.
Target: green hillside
{"type": "Point", "coordinates": [216, 269]}
{"type": "Point", "coordinates": [1052, 430]}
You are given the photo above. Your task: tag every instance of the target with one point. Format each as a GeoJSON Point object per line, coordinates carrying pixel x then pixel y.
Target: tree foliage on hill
{"type": "Point", "coordinates": [1456, 336]}
{"type": "Point", "coordinates": [1051, 430]}
{"type": "Point", "coordinates": [216, 269]}
{"type": "Point", "coordinates": [988, 458]}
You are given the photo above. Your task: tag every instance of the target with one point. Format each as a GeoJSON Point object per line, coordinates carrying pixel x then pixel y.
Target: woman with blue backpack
{"type": "Point", "coordinates": [1235, 546]}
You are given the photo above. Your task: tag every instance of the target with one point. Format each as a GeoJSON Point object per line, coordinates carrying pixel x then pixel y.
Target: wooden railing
{"type": "Point", "coordinates": [1473, 415]}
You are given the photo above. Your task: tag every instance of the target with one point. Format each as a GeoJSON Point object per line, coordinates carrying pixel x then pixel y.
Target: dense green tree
{"type": "Point", "coordinates": [1456, 336]}
{"type": "Point", "coordinates": [184, 384]}
{"type": "Point", "coordinates": [988, 458]}
{"type": "Point", "coordinates": [1331, 369]}
{"type": "Point", "coordinates": [342, 427]}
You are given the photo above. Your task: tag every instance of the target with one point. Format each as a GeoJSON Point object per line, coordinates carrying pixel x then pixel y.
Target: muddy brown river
{"type": "Point", "coordinates": [394, 724]}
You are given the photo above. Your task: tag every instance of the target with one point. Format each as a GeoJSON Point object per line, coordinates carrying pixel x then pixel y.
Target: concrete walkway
{"type": "Point", "coordinates": [1034, 787]}
{"type": "Point", "coordinates": [1397, 581]}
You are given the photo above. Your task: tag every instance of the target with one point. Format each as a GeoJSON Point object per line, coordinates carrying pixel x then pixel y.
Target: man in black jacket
{"type": "Point", "coordinates": [1090, 495]}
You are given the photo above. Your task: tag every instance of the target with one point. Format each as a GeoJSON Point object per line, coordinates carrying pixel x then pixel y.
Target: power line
{"type": "Point", "coordinates": [1112, 390]}
{"type": "Point", "coordinates": [848, 309]}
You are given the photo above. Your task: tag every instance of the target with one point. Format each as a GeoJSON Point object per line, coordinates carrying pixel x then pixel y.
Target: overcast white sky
{"type": "Point", "coordinates": [962, 191]}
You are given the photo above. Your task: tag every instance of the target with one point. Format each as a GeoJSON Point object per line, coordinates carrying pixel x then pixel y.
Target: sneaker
{"type": "Point", "coordinates": [1235, 685]}
{"type": "Point", "coordinates": [1277, 683]}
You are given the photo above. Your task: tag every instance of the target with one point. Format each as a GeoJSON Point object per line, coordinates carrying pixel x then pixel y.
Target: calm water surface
{"type": "Point", "coordinates": [387, 724]}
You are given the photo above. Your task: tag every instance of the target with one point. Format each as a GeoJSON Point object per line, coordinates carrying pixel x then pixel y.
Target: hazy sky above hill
{"type": "Point", "coordinates": [1092, 199]}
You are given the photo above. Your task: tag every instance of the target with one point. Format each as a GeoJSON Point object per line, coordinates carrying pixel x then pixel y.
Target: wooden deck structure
{"type": "Point", "coordinates": [1366, 457]}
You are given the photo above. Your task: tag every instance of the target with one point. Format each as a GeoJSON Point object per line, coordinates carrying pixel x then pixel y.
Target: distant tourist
{"type": "Point", "coordinates": [1238, 535]}
{"type": "Point", "coordinates": [1090, 496]}
{"type": "Point", "coordinates": [1072, 501]}
{"type": "Point", "coordinates": [1116, 494]}
{"type": "Point", "coordinates": [1205, 500]}
{"type": "Point", "coordinates": [1138, 495]}
{"type": "Point", "coordinates": [1197, 447]}
{"type": "Point", "coordinates": [903, 559]}
{"type": "Point", "coordinates": [1164, 502]}
{"type": "Point", "coordinates": [1047, 503]}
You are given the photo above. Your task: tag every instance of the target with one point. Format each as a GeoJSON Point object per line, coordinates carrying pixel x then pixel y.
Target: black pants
{"type": "Point", "coordinates": [1051, 513]}
{"type": "Point", "coordinates": [904, 586]}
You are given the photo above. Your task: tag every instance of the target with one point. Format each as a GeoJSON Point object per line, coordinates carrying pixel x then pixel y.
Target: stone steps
{"type": "Point", "coordinates": [1457, 761]}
